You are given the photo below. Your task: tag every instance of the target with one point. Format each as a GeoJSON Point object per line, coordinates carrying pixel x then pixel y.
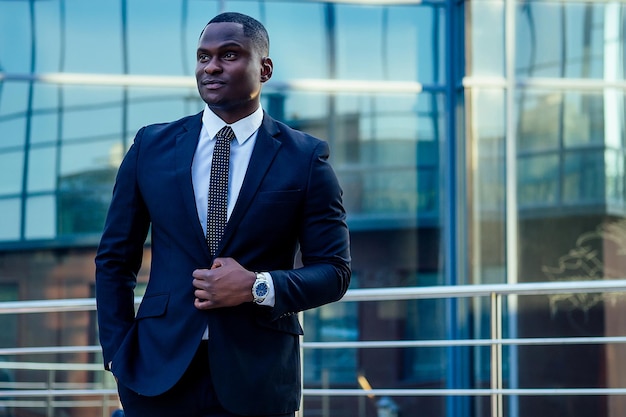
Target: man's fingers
{"type": "Point", "coordinates": [203, 294]}
{"type": "Point", "coordinates": [202, 304]}
{"type": "Point", "coordinates": [206, 304]}
{"type": "Point", "coordinates": [199, 273]}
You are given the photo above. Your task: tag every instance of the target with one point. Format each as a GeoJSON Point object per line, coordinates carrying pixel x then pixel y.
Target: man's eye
{"type": "Point", "coordinates": [229, 55]}
{"type": "Point", "coordinates": [203, 57]}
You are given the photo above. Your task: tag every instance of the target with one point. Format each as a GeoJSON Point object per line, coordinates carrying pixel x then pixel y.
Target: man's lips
{"type": "Point", "coordinates": [212, 84]}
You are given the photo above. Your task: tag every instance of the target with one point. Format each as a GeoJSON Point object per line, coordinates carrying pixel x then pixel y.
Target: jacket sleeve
{"type": "Point", "coordinates": [119, 255]}
{"type": "Point", "coordinates": [324, 245]}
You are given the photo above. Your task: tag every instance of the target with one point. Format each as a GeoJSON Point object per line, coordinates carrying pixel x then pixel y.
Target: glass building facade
{"type": "Point", "coordinates": [476, 142]}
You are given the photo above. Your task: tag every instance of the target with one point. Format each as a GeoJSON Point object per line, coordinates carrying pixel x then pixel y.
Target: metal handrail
{"type": "Point", "coordinates": [484, 290]}
{"type": "Point", "coordinates": [446, 392]}
{"type": "Point", "coordinates": [496, 341]}
{"type": "Point", "coordinates": [360, 344]}
{"type": "Point", "coordinates": [369, 294]}
{"type": "Point", "coordinates": [50, 350]}
{"type": "Point", "coordinates": [353, 392]}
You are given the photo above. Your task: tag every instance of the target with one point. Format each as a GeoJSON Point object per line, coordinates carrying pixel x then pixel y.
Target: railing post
{"type": "Point", "coordinates": [105, 406]}
{"type": "Point", "coordinates": [496, 354]}
{"type": "Point", "coordinates": [300, 412]}
{"type": "Point", "coordinates": [325, 398]}
{"type": "Point", "coordinates": [50, 398]}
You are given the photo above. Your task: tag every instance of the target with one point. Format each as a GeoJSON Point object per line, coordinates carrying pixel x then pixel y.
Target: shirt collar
{"type": "Point", "coordinates": [243, 128]}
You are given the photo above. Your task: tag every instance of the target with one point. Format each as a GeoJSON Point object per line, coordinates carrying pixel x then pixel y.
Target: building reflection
{"type": "Point", "coordinates": [476, 142]}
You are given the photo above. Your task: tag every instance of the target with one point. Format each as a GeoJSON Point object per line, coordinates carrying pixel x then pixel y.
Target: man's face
{"type": "Point", "coordinates": [229, 71]}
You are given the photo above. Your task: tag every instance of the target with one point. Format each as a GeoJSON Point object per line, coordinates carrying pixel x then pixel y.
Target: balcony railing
{"type": "Point", "coordinates": [49, 394]}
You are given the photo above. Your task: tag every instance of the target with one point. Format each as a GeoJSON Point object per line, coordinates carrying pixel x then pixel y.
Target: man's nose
{"type": "Point", "coordinates": [212, 66]}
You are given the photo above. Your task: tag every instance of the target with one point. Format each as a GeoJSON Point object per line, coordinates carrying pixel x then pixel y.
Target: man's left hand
{"type": "Point", "coordinates": [226, 284]}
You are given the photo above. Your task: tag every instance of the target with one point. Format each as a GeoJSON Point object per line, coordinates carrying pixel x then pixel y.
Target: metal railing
{"type": "Point", "coordinates": [48, 393]}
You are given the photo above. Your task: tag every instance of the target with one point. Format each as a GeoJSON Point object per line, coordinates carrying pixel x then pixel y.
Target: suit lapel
{"type": "Point", "coordinates": [186, 144]}
{"type": "Point", "coordinates": [265, 150]}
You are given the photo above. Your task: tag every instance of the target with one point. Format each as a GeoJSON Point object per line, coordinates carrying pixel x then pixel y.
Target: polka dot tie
{"type": "Point", "coordinates": [218, 189]}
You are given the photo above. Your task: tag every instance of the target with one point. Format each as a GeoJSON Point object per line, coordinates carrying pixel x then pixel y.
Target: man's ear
{"type": "Point", "coordinates": [267, 68]}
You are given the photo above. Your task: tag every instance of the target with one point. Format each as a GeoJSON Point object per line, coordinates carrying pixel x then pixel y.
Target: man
{"type": "Point", "coordinates": [217, 333]}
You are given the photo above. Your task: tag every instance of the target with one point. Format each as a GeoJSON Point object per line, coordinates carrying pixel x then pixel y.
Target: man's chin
{"type": "Point", "coordinates": [211, 99]}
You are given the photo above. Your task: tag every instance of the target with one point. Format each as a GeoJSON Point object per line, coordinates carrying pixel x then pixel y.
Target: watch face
{"type": "Point", "coordinates": [261, 289]}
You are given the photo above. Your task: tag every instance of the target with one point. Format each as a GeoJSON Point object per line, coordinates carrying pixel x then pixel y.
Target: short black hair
{"type": "Point", "coordinates": [252, 29]}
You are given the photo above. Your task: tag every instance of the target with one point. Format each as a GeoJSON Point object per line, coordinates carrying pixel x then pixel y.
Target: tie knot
{"type": "Point", "coordinates": [226, 133]}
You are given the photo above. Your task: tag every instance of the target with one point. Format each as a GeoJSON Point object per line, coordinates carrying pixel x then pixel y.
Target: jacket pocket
{"type": "Point", "coordinates": [153, 306]}
{"type": "Point", "coordinates": [277, 197]}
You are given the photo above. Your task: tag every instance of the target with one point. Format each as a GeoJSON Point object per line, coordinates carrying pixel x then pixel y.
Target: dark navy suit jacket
{"type": "Point", "coordinates": [290, 200]}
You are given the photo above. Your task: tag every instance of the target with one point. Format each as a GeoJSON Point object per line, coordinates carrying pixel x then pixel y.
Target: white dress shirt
{"type": "Point", "coordinates": [240, 151]}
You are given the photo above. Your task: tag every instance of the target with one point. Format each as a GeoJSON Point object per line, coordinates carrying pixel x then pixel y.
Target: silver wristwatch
{"type": "Point", "coordinates": [260, 289]}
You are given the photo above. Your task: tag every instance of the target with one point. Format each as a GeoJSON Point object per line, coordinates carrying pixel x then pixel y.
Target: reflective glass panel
{"type": "Point", "coordinates": [13, 131]}
{"type": "Point", "coordinates": [15, 49]}
{"type": "Point", "coordinates": [84, 196]}
{"type": "Point", "coordinates": [13, 112]}
{"type": "Point", "coordinates": [304, 30]}
{"type": "Point", "coordinates": [47, 98]}
{"type": "Point", "coordinates": [550, 119]}
{"type": "Point", "coordinates": [156, 105]}
{"type": "Point", "coordinates": [92, 124]}
{"type": "Point", "coordinates": [538, 180]}
{"type": "Point", "coordinates": [584, 177]}
{"type": "Point", "coordinates": [615, 178]}
{"type": "Point", "coordinates": [410, 35]}
{"type": "Point", "coordinates": [561, 141]}
{"type": "Point", "coordinates": [93, 37]}
{"type": "Point", "coordinates": [155, 31]}
{"type": "Point", "coordinates": [13, 98]}
{"type": "Point", "coordinates": [614, 120]}
{"type": "Point", "coordinates": [12, 163]}
{"type": "Point", "coordinates": [487, 157]}
{"type": "Point", "coordinates": [539, 120]}
{"type": "Point", "coordinates": [44, 127]}
{"type": "Point", "coordinates": [84, 157]}
{"type": "Point", "coordinates": [41, 217]}
{"type": "Point", "coordinates": [11, 219]}
{"type": "Point", "coordinates": [42, 164]}
{"type": "Point", "coordinates": [85, 183]}
{"type": "Point", "coordinates": [50, 52]}
{"type": "Point", "coordinates": [92, 113]}
{"type": "Point", "coordinates": [583, 118]}
{"type": "Point", "coordinates": [486, 32]}
{"type": "Point", "coordinates": [570, 39]}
